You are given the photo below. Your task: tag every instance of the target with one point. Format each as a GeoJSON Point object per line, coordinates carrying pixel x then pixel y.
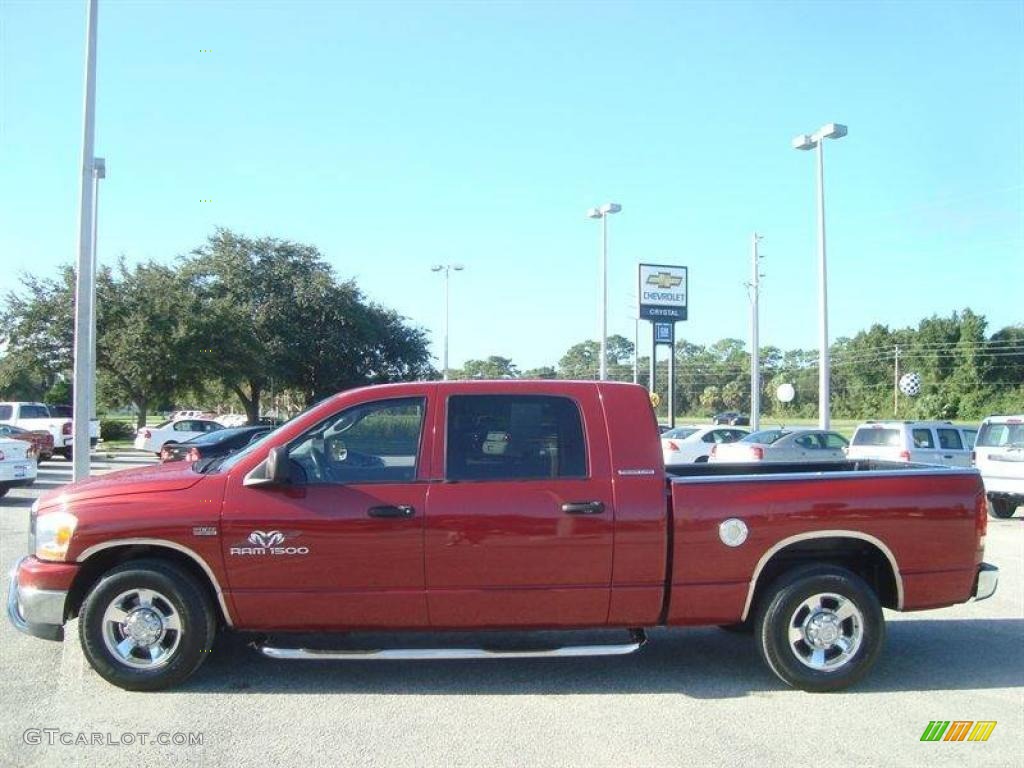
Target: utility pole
{"type": "Point", "coordinates": [84, 276]}
{"type": "Point", "coordinates": [896, 384]}
{"type": "Point", "coordinates": [755, 344]}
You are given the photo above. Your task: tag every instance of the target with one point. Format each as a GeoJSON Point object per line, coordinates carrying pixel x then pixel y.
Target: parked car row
{"type": "Point", "coordinates": [52, 419]}
{"type": "Point", "coordinates": [17, 464]}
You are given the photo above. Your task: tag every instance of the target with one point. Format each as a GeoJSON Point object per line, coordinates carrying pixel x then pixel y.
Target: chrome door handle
{"type": "Point", "coordinates": [583, 507]}
{"type": "Point", "coordinates": [391, 511]}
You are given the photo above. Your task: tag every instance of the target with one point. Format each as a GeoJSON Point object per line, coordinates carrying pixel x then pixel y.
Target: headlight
{"type": "Point", "coordinates": [53, 535]}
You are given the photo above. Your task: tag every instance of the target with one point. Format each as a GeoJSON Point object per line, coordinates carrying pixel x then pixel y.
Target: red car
{"type": "Point", "coordinates": [511, 505]}
{"type": "Point", "coordinates": [40, 439]}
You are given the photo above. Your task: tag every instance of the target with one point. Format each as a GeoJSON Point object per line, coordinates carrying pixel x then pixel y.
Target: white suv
{"type": "Point", "coordinates": [999, 456]}
{"type": "Point", "coordinates": [921, 442]}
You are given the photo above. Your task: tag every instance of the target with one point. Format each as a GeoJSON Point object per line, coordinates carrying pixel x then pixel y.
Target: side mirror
{"type": "Point", "coordinates": [277, 466]}
{"type": "Point", "coordinates": [273, 470]}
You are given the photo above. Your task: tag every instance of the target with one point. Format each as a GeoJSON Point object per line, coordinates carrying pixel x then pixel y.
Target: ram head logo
{"type": "Point", "coordinates": [266, 539]}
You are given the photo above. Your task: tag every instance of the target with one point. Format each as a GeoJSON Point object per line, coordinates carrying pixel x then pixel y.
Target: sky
{"type": "Point", "coordinates": [398, 135]}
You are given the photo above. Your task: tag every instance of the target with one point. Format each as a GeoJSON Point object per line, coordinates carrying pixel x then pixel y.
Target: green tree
{"type": "Point", "coordinates": [494, 367]}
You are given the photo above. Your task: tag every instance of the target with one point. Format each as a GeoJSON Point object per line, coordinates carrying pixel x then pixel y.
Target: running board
{"type": "Point", "coordinates": [638, 638]}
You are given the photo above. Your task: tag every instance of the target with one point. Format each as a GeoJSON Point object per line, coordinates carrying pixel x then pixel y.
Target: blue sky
{"type": "Point", "coordinates": [397, 135]}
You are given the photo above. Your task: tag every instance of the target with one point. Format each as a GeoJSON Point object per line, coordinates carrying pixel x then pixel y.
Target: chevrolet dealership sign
{"type": "Point", "coordinates": [663, 292]}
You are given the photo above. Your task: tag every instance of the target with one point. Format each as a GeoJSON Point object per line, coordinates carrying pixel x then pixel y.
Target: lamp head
{"type": "Point", "coordinates": [831, 131]}
{"type": "Point", "coordinates": [803, 141]}
{"type": "Point", "coordinates": [610, 208]}
{"type": "Point", "coordinates": [594, 213]}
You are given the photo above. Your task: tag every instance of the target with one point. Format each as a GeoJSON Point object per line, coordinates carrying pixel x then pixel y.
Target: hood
{"type": "Point", "coordinates": [172, 476]}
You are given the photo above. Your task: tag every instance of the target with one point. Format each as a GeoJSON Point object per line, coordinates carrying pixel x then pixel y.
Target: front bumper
{"type": "Point", "coordinates": [987, 581]}
{"type": "Point", "coordinates": [36, 612]}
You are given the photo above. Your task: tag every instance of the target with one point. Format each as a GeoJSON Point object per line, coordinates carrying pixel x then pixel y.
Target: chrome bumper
{"type": "Point", "coordinates": [36, 612]}
{"type": "Point", "coordinates": [988, 579]}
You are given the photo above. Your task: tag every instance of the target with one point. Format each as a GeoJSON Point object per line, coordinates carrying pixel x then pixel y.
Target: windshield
{"type": "Point", "coordinates": [765, 437]}
{"type": "Point", "coordinates": [1000, 436]}
{"type": "Point", "coordinates": [680, 433]}
{"type": "Point", "coordinates": [218, 436]}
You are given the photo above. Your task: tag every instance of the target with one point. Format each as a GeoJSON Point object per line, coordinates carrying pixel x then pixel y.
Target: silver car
{"type": "Point", "coordinates": [794, 444]}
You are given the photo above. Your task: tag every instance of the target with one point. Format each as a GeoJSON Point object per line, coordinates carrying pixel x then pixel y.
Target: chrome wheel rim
{"type": "Point", "coordinates": [826, 631]}
{"type": "Point", "coordinates": [141, 628]}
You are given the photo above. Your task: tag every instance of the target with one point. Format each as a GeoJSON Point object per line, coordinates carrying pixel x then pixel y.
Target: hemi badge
{"type": "Point", "coordinates": [204, 530]}
{"type": "Point", "coordinates": [636, 472]}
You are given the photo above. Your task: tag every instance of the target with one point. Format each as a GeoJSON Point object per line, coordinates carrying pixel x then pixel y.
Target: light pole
{"type": "Point", "coordinates": [83, 272]}
{"type": "Point", "coordinates": [806, 142]}
{"type": "Point", "coordinates": [755, 348]}
{"type": "Point", "coordinates": [99, 171]}
{"type": "Point", "coordinates": [447, 269]}
{"type": "Point", "coordinates": [602, 213]}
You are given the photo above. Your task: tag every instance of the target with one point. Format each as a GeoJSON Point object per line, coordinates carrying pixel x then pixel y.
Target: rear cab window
{"type": "Point", "coordinates": [514, 437]}
{"type": "Point", "coordinates": [877, 436]}
{"type": "Point", "coordinates": [996, 435]}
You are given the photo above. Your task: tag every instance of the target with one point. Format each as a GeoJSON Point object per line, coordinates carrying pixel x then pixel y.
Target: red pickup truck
{"type": "Point", "coordinates": [492, 506]}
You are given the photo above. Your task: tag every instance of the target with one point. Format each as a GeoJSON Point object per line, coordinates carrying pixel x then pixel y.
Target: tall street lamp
{"type": "Point", "coordinates": [603, 212]}
{"type": "Point", "coordinates": [807, 142]}
{"type": "Point", "coordinates": [447, 269]}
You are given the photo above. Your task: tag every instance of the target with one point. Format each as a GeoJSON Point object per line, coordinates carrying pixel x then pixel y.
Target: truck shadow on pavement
{"type": "Point", "coordinates": [705, 663]}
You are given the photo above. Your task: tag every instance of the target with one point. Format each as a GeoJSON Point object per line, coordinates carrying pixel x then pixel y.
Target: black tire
{"type": "Point", "coordinates": [1001, 508]}
{"type": "Point", "coordinates": [67, 453]}
{"type": "Point", "coordinates": [782, 606]}
{"type": "Point", "coordinates": [701, 460]}
{"type": "Point", "coordinates": [3, 491]}
{"type": "Point", "coordinates": [181, 592]}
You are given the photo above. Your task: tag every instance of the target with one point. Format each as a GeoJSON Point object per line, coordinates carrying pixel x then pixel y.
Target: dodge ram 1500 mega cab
{"type": "Point", "coordinates": [492, 505]}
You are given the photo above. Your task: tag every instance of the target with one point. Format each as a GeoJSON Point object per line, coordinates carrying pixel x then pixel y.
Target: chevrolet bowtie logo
{"type": "Point", "coordinates": [664, 280]}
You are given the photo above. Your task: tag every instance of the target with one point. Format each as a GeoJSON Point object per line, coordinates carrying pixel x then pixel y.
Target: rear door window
{"type": "Point", "coordinates": [514, 437]}
{"type": "Point", "coordinates": [807, 442]}
{"type": "Point", "coordinates": [34, 412]}
{"type": "Point", "coordinates": [949, 439]}
{"type": "Point", "coordinates": [923, 438]}
{"type": "Point", "coordinates": [6, 411]}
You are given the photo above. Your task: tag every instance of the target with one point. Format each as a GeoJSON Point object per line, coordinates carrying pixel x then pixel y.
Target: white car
{"type": "Point", "coordinates": [153, 439]}
{"type": "Point", "coordinates": [17, 464]}
{"type": "Point", "coordinates": [796, 444]}
{"type": "Point", "coordinates": [999, 456]}
{"type": "Point", "coordinates": [921, 442]}
{"type": "Point", "coordinates": [694, 444]}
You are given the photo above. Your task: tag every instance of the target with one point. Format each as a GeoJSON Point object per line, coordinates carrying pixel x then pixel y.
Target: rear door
{"type": "Point", "coordinates": [519, 532]}
{"type": "Point", "coordinates": [924, 447]}
{"type": "Point", "coordinates": [952, 450]}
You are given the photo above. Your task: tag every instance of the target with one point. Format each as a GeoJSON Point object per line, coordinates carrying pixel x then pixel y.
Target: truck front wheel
{"type": "Point", "coordinates": [146, 625]}
{"type": "Point", "coordinates": [820, 628]}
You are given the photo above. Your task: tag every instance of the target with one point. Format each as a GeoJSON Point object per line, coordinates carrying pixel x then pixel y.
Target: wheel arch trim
{"type": "Point", "coordinates": [825, 534]}
{"type": "Point", "coordinates": [167, 544]}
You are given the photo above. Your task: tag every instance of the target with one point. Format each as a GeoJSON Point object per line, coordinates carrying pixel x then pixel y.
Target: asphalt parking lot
{"type": "Point", "coordinates": [690, 698]}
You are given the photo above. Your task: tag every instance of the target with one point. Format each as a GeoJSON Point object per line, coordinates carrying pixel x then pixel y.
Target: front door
{"type": "Point", "coordinates": [341, 546]}
{"type": "Point", "coordinates": [519, 533]}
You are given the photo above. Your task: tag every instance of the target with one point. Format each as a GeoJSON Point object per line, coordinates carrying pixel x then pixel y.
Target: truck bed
{"type": "Point", "coordinates": [923, 520]}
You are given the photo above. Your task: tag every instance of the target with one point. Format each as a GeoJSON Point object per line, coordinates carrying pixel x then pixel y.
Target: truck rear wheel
{"type": "Point", "coordinates": [146, 625]}
{"type": "Point", "coordinates": [820, 628]}
{"type": "Point", "coordinates": [1001, 508]}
